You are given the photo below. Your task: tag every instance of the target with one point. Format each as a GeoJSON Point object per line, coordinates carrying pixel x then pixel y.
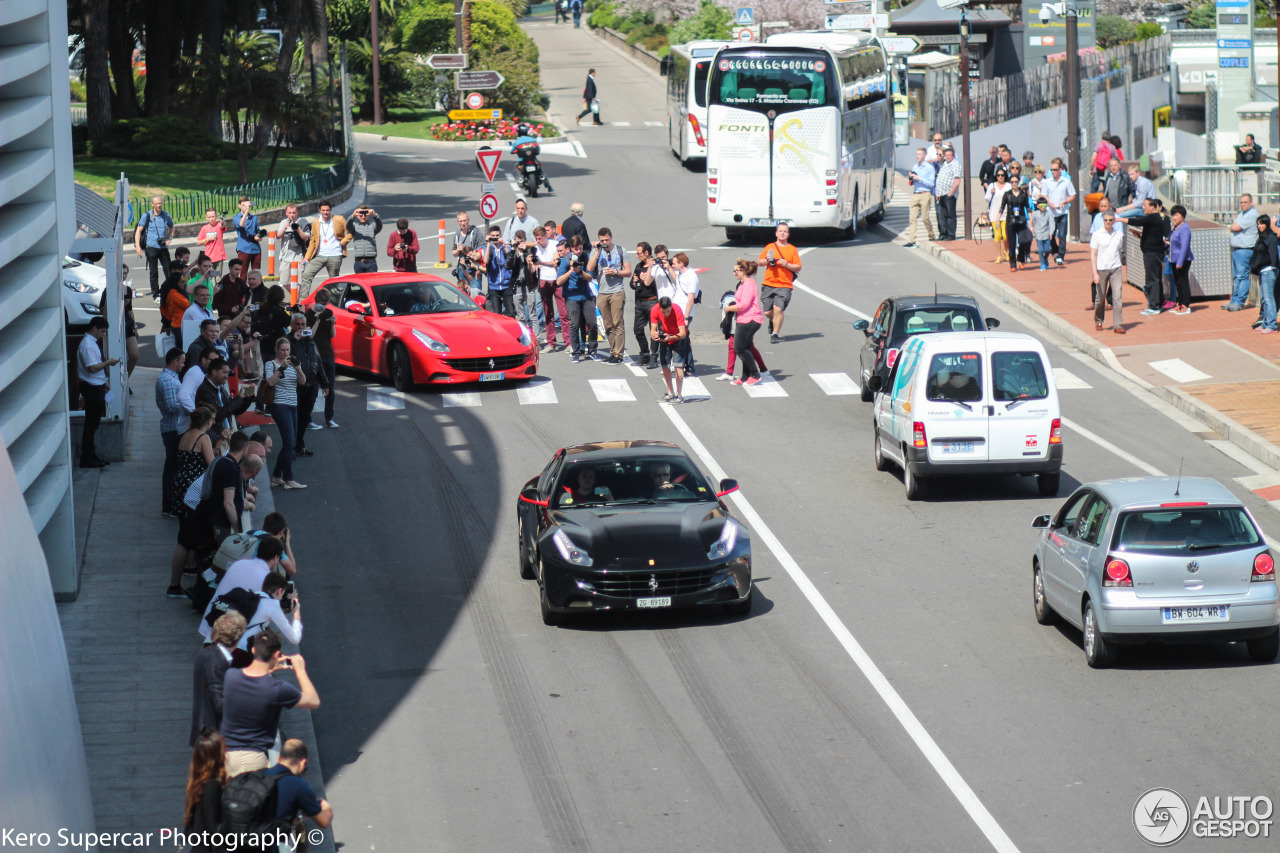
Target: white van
{"type": "Point", "coordinates": [969, 403]}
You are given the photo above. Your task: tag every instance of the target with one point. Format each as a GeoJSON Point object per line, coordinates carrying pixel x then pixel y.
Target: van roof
{"type": "Point", "coordinates": [948, 340]}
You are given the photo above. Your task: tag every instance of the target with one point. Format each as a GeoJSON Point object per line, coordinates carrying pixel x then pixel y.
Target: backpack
{"type": "Point", "coordinates": [240, 599]}
{"type": "Point", "coordinates": [249, 804]}
{"type": "Point", "coordinates": [237, 546]}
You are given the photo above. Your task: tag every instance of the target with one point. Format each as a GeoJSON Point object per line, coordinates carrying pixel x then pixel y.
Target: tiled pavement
{"type": "Point", "coordinates": [130, 648]}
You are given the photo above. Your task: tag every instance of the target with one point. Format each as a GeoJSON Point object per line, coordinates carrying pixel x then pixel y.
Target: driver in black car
{"type": "Point", "coordinates": [663, 488]}
{"type": "Point", "coordinates": [585, 490]}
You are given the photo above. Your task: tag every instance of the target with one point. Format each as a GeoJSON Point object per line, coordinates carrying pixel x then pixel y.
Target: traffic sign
{"type": "Point", "coordinates": [488, 159]}
{"type": "Point", "coordinates": [899, 44]}
{"type": "Point", "coordinates": [479, 79]}
{"type": "Point", "coordinates": [488, 188]}
{"type": "Point", "coordinates": [448, 61]}
{"type": "Point", "coordinates": [488, 205]}
{"type": "Point", "coordinates": [474, 115]}
{"type": "Point", "coordinates": [857, 22]}
{"type": "Point", "coordinates": [746, 16]}
{"type": "Point", "coordinates": [745, 34]}
{"type": "Point", "coordinates": [475, 101]}
{"type": "Point", "coordinates": [774, 25]}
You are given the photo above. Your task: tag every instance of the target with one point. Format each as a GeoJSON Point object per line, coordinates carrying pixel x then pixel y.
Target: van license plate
{"type": "Point", "coordinates": [654, 602]}
{"type": "Point", "coordinates": [492, 377]}
{"type": "Point", "coordinates": [1206, 613]}
{"type": "Point", "coordinates": [762, 223]}
{"type": "Point", "coordinates": [958, 447]}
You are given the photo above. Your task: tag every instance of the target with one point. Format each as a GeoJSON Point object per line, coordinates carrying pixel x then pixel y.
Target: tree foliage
{"type": "Point", "coordinates": [710, 22]}
{"type": "Point", "coordinates": [1113, 30]}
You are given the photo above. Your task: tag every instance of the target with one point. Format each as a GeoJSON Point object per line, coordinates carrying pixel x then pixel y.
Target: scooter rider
{"type": "Point", "coordinates": [525, 137]}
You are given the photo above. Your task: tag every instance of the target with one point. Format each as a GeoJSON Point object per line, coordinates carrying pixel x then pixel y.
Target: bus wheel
{"type": "Point", "coordinates": [734, 235]}
{"type": "Point", "coordinates": [851, 231]}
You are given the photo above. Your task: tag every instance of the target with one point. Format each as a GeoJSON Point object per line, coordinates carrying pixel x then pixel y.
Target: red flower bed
{"type": "Point", "coordinates": [474, 131]}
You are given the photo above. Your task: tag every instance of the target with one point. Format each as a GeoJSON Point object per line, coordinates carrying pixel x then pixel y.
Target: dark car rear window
{"type": "Point", "coordinates": [1185, 530]}
{"type": "Point", "coordinates": [936, 318]}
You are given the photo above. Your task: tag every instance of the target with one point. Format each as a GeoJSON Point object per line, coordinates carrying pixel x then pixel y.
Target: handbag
{"type": "Point", "coordinates": [265, 395]}
{"type": "Point", "coordinates": [165, 341]}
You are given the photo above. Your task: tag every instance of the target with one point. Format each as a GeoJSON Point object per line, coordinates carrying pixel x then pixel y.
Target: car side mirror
{"type": "Point", "coordinates": [727, 487]}
{"type": "Point", "coordinates": [875, 383]}
{"type": "Point", "coordinates": [862, 326]}
{"type": "Point", "coordinates": [992, 322]}
{"type": "Point", "coordinates": [530, 496]}
{"type": "Point", "coordinates": [1040, 522]}
{"type": "Point", "coordinates": [357, 307]}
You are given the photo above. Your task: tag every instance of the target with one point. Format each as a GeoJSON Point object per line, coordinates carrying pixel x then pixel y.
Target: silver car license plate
{"type": "Point", "coordinates": [654, 602]}
{"type": "Point", "coordinates": [491, 377]}
{"type": "Point", "coordinates": [1204, 613]}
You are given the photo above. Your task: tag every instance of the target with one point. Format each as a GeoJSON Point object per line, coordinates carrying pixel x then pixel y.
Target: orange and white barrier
{"type": "Point", "coordinates": [271, 254]}
{"type": "Point", "coordinates": [293, 282]}
{"type": "Point", "coordinates": [442, 263]}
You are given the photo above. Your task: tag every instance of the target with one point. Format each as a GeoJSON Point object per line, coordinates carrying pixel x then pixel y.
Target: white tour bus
{"type": "Point", "coordinates": [687, 70]}
{"type": "Point", "coordinates": [800, 130]}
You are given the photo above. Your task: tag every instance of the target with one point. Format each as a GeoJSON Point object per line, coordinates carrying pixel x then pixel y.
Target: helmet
{"type": "Point", "coordinates": [522, 129]}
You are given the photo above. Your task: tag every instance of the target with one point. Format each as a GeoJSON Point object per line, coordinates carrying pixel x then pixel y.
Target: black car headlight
{"type": "Point", "coordinates": [571, 553]}
{"type": "Point", "coordinates": [723, 547]}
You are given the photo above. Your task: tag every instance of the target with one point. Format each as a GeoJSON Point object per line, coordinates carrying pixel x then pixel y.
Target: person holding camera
{"type": "Point", "coordinates": [403, 247]}
{"type": "Point", "coordinates": [609, 264]}
{"type": "Point", "coordinates": [364, 239]}
{"type": "Point", "coordinates": [151, 240]}
{"type": "Point", "coordinates": [253, 699]}
{"type": "Point", "coordinates": [646, 296]}
{"type": "Point", "coordinates": [782, 264]}
{"type": "Point", "coordinates": [302, 342]}
{"type": "Point", "coordinates": [498, 271]}
{"type": "Point", "coordinates": [573, 277]}
{"type": "Point", "coordinates": [546, 263]}
{"type": "Point", "coordinates": [323, 326]}
{"type": "Point", "coordinates": [248, 235]}
{"type": "Point", "coordinates": [210, 238]}
{"type": "Point", "coordinates": [524, 284]}
{"type": "Point", "coordinates": [326, 247]}
{"type": "Point", "coordinates": [466, 241]}
{"type": "Point", "coordinates": [284, 373]}
{"type": "Point", "coordinates": [292, 236]}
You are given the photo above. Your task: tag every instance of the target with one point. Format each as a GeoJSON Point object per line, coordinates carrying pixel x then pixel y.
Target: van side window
{"type": "Point", "coordinates": [955, 376]}
{"type": "Point", "coordinates": [1018, 376]}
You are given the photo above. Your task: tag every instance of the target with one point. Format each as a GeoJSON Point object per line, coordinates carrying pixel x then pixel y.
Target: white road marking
{"type": "Point", "coordinates": [612, 391]}
{"type": "Point", "coordinates": [1232, 451]}
{"type": "Point", "coordinates": [767, 387]}
{"type": "Point", "coordinates": [653, 124]}
{"type": "Point", "coordinates": [383, 399]}
{"type": "Point", "coordinates": [1106, 445]}
{"type": "Point", "coordinates": [906, 718]}
{"type": "Point", "coordinates": [807, 289]}
{"type": "Point", "coordinates": [1068, 381]}
{"type": "Point", "coordinates": [835, 384]}
{"type": "Point", "coordinates": [462, 400]}
{"type": "Point", "coordinates": [634, 366]}
{"type": "Point", "coordinates": [620, 123]}
{"type": "Point", "coordinates": [538, 391]}
{"type": "Point", "coordinates": [1178, 370]}
{"type": "Point", "coordinates": [693, 388]}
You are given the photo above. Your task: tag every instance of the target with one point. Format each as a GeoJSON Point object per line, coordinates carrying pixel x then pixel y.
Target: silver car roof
{"type": "Point", "coordinates": [1147, 491]}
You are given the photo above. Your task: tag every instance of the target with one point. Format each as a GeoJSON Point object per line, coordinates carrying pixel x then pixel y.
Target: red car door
{"type": "Point", "coordinates": [363, 335]}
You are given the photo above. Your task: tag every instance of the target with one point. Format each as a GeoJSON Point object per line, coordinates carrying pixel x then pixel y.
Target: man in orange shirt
{"type": "Point", "coordinates": [781, 263]}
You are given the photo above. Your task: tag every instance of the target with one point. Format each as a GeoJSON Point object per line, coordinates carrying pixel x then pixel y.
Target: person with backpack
{"type": "Point", "coordinates": [575, 6]}
{"type": "Point", "coordinates": [202, 811]}
{"type": "Point", "coordinates": [211, 665]}
{"type": "Point", "coordinates": [248, 588]}
{"type": "Point", "coordinates": [253, 699]}
{"type": "Point", "coordinates": [294, 795]}
{"type": "Point", "coordinates": [151, 240]}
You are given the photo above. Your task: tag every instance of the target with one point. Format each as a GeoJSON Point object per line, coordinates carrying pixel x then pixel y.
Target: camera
{"type": "Point", "coordinates": [293, 359]}
{"type": "Point", "coordinates": [306, 333]}
{"type": "Point", "coordinates": [262, 232]}
{"type": "Point", "coordinates": [286, 602]}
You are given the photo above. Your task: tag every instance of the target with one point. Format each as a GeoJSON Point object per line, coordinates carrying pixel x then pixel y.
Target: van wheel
{"type": "Point", "coordinates": [1044, 613]}
{"type": "Point", "coordinates": [913, 484]}
{"type": "Point", "coordinates": [1097, 651]}
{"type": "Point", "coordinates": [882, 464]}
{"type": "Point", "coordinates": [1048, 483]}
{"type": "Point", "coordinates": [1264, 649]}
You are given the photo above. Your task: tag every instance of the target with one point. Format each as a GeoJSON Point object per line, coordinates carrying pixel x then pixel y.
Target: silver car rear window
{"type": "Point", "coordinates": [1179, 530]}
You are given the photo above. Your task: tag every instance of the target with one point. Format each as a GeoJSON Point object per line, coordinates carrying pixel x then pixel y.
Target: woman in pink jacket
{"type": "Point", "coordinates": [750, 316]}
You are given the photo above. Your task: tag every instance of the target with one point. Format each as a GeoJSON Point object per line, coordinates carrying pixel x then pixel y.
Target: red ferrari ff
{"type": "Point", "coordinates": [418, 328]}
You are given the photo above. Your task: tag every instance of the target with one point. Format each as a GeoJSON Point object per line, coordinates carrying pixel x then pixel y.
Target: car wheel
{"type": "Point", "coordinates": [1048, 483]}
{"type": "Point", "coordinates": [1264, 649]}
{"type": "Point", "coordinates": [1044, 613]}
{"type": "Point", "coordinates": [741, 608]}
{"type": "Point", "coordinates": [863, 390]}
{"type": "Point", "coordinates": [549, 616]}
{"type": "Point", "coordinates": [526, 569]}
{"type": "Point", "coordinates": [882, 464]}
{"type": "Point", "coordinates": [398, 366]}
{"type": "Point", "coordinates": [1097, 651]}
{"type": "Point", "coordinates": [913, 484]}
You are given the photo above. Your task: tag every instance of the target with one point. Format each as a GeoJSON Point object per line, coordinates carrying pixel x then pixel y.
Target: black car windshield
{"type": "Point", "coordinates": [936, 318]}
{"type": "Point", "coordinates": [1185, 530]}
{"type": "Point", "coordinates": [420, 297]}
{"type": "Point", "coordinates": [630, 481]}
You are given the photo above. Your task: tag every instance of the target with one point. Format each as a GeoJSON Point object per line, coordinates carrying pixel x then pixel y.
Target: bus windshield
{"type": "Point", "coordinates": [780, 81]}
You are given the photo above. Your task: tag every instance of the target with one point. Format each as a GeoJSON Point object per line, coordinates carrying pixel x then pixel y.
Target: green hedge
{"type": "Point", "coordinates": [167, 138]}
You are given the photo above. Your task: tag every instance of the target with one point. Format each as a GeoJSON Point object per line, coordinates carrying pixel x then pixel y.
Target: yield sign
{"type": "Point", "coordinates": [488, 159]}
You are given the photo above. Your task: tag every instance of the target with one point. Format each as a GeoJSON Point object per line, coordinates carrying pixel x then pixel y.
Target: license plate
{"type": "Point", "coordinates": [653, 602]}
{"type": "Point", "coordinates": [492, 377]}
{"type": "Point", "coordinates": [763, 223]}
{"type": "Point", "coordinates": [1207, 613]}
{"type": "Point", "coordinates": [531, 168]}
{"type": "Point", "coordinates": [958, 447]}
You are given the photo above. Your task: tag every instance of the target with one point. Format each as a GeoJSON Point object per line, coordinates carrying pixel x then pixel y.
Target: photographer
{"type": "Point", "coordinates": [248, 235]}
{"type": "Point", "coordinates": [323, 325]}
{"type": "Point", "coordinates": [364, 239]}
{"type": "Point", "coordinates": [151, 240]}
{"type": "Point", "coordinates": [233, 291]}
{"type": "Point", "coordinates": [403, 248]}
{"type": "Point", "coordinates": [524, 284]}
{"type": "Point", "coordinates": [303, 343]}
{"type": "Point", "coordinates": [271, 320]}
{"type": "Point", "coordinates": [498, 271]}
{"type": "Point", "coordinates": [609, 264]}
{"type": "Point", "coordinates": [646, 296]}
{"type": "Point", "coordinates": [285, 375]}
{"type": "Point", "coordinates": [579, 299]}
{"type": "Point", "coordinates": [292, 236]}
{"type": "Point", "coordinates": [466, 240]}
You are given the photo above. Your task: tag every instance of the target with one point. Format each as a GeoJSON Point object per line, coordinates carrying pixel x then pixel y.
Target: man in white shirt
{"type": "Point", "coordinates": [259, 575]}
{"type": "Point", "coordinates": [520, 221]}
{"type": "Point", "coordinates": [91, 370]}
{"type": "Point", "coordinates": [1060, 192]}
{"type": "Point", "coordinates": [325, 249]}
{"type": "Point", "coordinates": [662, 277]}
{"type": "Point", "coordinates": [686, 295]}
{"type": "Point", "coordinates": [292, 236]}
{"type": "Point", "coordinates": [193, 378]}
{"type": "Point", "coordinates": [1104, 251]}
{"type": "Point", "coordinates": [196, 313]}
{"type": "Point", "coordinates": [546, 255]}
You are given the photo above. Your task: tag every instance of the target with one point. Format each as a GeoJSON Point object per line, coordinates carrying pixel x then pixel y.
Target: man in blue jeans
{"type": "Point", "coordinates": [1244, 234]}
{"type": "Point", "coordinates": [1060, 192]}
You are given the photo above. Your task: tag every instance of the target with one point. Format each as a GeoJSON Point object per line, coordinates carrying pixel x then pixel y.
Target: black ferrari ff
{"type": "Point", "coordinates": [625, 525]}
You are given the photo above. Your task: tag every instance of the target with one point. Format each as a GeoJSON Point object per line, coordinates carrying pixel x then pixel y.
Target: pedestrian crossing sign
{"type": "Point", "coordinates": [746, 16]}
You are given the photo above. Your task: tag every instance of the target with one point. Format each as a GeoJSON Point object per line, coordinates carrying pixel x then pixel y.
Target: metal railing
{"type": "Point", "coordinates": [1215, 190]}
{"type": "Point", "coordinates": [191, 207]}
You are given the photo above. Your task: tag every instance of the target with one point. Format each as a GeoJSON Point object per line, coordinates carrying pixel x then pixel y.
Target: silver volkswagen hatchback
{"type": "Point", "coordinates": [1156, 560]}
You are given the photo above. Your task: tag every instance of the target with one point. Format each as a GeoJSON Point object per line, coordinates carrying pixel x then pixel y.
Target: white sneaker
{"type": "Point", "coordinates": [311, 425]}
{"type": "Point", "coordinates": [333, 424]}
{"type": "Point", "coordinates": [725, 377]}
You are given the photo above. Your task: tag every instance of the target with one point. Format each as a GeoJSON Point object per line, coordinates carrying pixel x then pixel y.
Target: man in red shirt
{"type": "Point", "coordinates": [667, 327]}
{"type": "Point", "coordinates": [781, 264]}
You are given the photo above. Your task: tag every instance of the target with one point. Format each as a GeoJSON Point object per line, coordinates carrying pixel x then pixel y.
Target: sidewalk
{"type": "Point", "coordinates": [130, 648]}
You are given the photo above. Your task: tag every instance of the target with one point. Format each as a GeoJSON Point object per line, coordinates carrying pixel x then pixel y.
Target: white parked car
{"type": "Point", "coordinates": [84, 286]}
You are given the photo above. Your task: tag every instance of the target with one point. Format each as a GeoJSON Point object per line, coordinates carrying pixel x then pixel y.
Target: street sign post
{"type": "Point", "coordinates": [488, 159]}
{"type": "Point", "coordinates": [899, 44]}
{"type": "Point", "coordinates": [773, 25]}
{"type": "Point", "coordinates": [746, 16]}
{"type": "Point", "coordinates": [479, 79]}
{"type": "Point", "coordinates": [856, 22]}
{"type": "Point", "coordinates": [475, 101]}
{"type": "Point", "coordinates": [474, 115]}
{"type": "Point", "coordinates": [488, 206]}
{"type": "Point", "coordinates": [448, 61]}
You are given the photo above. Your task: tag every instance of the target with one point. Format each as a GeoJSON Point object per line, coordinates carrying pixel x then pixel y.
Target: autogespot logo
{"type": "Point", "coordinates": [1161, 817]}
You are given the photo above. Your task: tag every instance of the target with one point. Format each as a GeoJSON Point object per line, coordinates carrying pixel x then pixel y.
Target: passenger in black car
{"type": "Point", "coordinates": [585, 489]}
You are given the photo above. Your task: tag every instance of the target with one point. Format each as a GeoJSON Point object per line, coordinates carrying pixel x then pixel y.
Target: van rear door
{"type": "Point", "coordinates": [953, 401]}
{"type": "Point", "coordinates": [1023, 402]}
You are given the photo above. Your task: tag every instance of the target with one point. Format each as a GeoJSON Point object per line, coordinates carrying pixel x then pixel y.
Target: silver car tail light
{"type": "Point", "coordinates": [1264, 568]}
{"type": "Point", "coordinates": [1117, 573]}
